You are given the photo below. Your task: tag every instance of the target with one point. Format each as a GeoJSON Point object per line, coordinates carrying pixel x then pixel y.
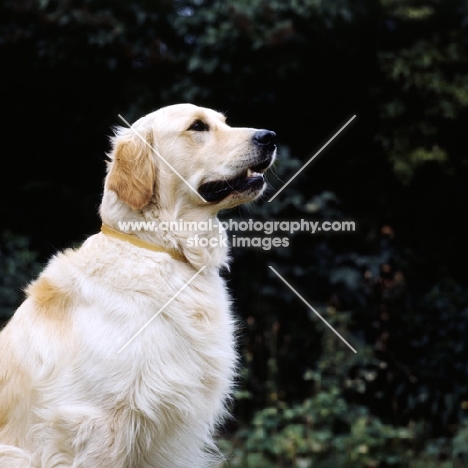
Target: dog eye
{"type": "Point", "coordinates": [199, 126]}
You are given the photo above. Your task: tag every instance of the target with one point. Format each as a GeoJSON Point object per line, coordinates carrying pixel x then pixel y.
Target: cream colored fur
{"type": "Point", "coordinates": [67, 397]}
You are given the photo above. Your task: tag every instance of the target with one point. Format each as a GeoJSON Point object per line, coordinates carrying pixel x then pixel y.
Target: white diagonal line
{"type": "Point", "coordinates": [310, 307]}
{"type": "Point", "coordinates": [160, 157]}
{"type": "Point", "coordinates": [161, 309]}
{"type": "Point", "coordinates": [312, 158]}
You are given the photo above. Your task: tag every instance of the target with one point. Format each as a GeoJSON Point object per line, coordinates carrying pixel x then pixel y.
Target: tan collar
{"type": "Point", "coordinates": [174, 253]}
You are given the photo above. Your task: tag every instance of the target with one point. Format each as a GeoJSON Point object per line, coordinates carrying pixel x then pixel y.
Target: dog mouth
{"type": "Point", "coordinates": [250, 180]}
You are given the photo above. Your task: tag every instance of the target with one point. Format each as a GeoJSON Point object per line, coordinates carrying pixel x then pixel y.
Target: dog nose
{"type": "Point", "coordinates": [265, 138]}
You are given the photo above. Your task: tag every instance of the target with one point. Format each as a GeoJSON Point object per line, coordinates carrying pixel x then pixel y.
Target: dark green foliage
{"type": "Point", "coordinates": [18, 266]}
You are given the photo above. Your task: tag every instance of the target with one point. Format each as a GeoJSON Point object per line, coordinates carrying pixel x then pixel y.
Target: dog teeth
{"type": "Point", "coordinates": [251, 173]}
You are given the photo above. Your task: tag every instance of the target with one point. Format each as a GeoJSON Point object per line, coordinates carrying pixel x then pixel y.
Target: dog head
{"type": "Point", "coordinates": [188, 154]}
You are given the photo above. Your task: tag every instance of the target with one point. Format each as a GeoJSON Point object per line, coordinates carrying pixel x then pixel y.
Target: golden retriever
{"type": "Point", "coordinates": [122, 354]}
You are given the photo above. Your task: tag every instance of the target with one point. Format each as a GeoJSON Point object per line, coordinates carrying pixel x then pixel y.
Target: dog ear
{"type": "Point", "coordinates": [132, 172]}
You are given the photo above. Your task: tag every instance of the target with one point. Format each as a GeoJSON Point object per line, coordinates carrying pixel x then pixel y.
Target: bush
{"type": "Point", "coordinates": [18, 265]}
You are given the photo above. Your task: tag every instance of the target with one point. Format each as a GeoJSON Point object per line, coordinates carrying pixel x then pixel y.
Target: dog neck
{"type": "Point", "coordinates": [199, 247]}
{"type": "Point", "coordinates": [175, 254]}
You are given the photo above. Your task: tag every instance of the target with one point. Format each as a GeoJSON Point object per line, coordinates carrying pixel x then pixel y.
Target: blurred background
{"type": "Point", "coordinates": [395, 288]}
